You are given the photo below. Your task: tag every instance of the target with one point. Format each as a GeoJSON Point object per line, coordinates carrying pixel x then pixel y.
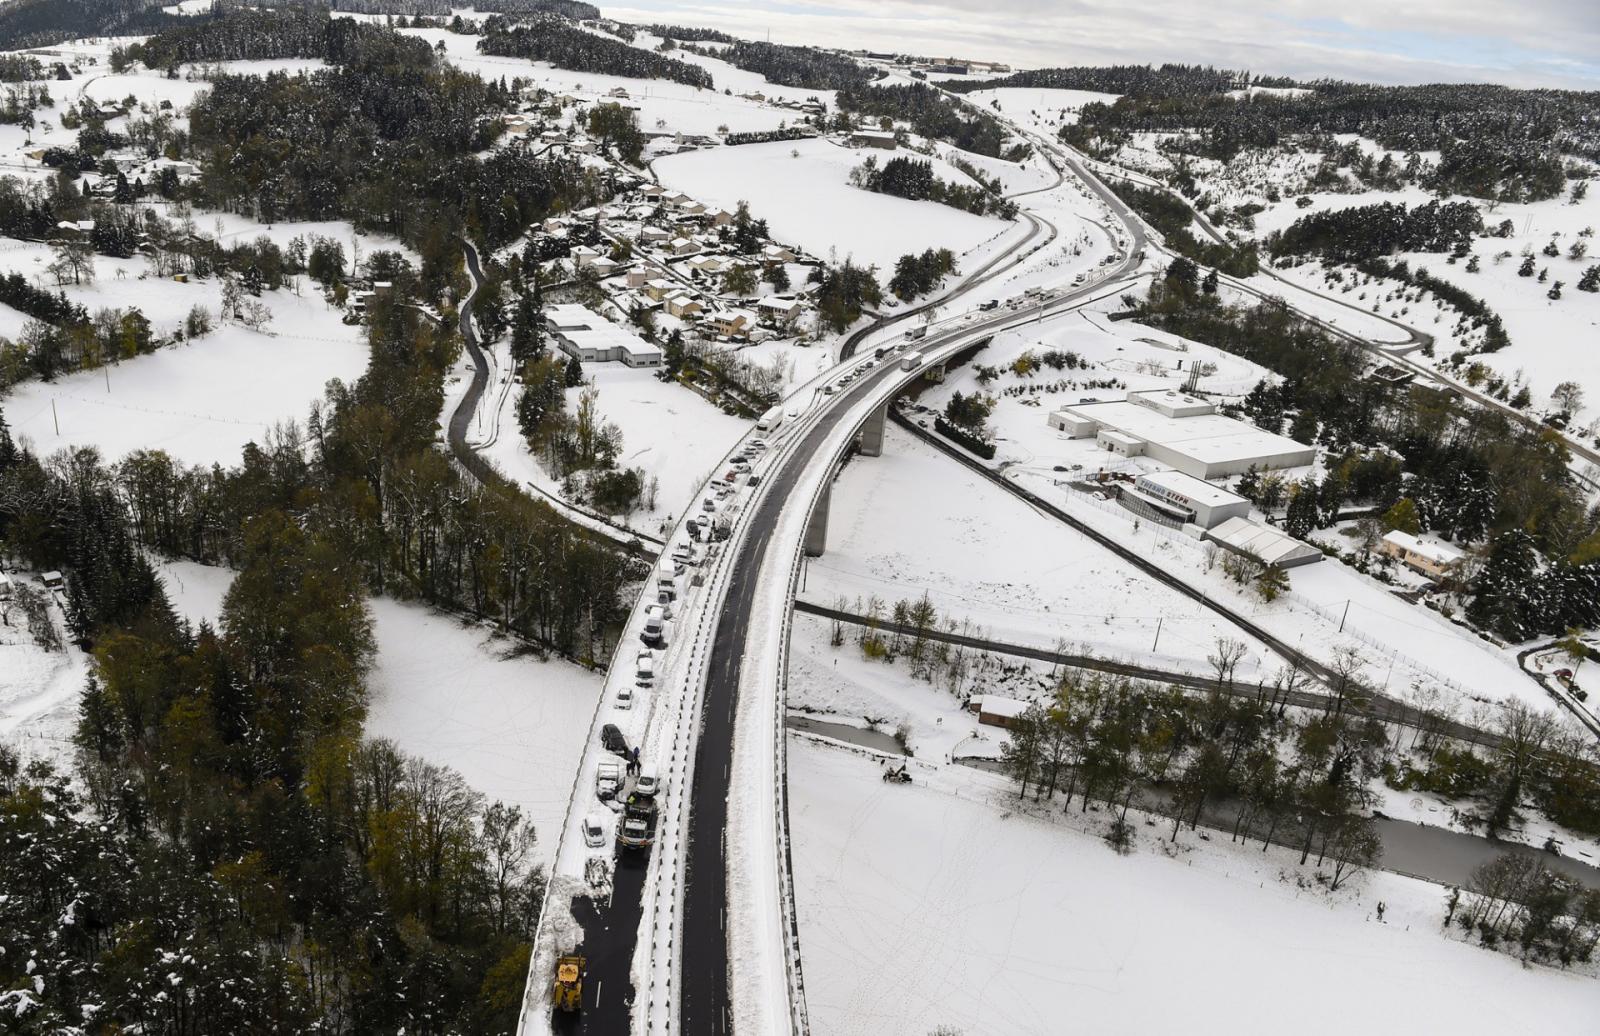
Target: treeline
{"type": "Point", "coordinates": [20, 68]}
{"type": "Point", "coordinates": [1369, 231]}
{"type": "Point", "coordinates": [293, 32]}
{"type": "Point", "coordinates": [809, 68]}
{"type": "Point", "coordinates": [19, 293]}
{"type": "Point", "coordinates": [931, 114]}
{"type": "Point", "coordinates": [919, 274]}
{"type": "Point", "coordinates": [768, 136]}
{"type": "Point", "coordinates": [1474, 309]}
{"type": "Point", "coordinates": [571, 9]}
{"type": "Point", "coordinates": [39, 23]}
{"type": "Point", "coordinates": [690, 34]}
{"type": "Point", "coordinates": [843, 292]}
{"type": "Point", "coordinates": [1301, 783]}
{"type": "Point", "coordinates": [914, 179]}
{"type": "Point", "coordinates": [1516, 903]}
{"type": "Point", "coordinates": [1494, 141]}
{"type": "Point", "coordinates": [567, 46]}
{"type": "Point", "coordinates": [1171, 217]}
{"type": "Point", "coordinates": [1169, 80]}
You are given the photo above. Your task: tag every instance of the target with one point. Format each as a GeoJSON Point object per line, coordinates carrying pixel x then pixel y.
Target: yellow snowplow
{"type": "Point", "coordinates": [569, 983]}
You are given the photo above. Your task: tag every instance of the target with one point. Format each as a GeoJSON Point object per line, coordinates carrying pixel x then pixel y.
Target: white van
{"type": "Point", "coordinates": [667, 577]}
{"type": "Point", "coordinates": [644, 673]}
{"type": "Point", "coordinates": [654, 626]}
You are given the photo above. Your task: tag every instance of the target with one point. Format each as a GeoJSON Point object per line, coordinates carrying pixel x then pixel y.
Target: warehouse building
{"type": "Point", "coordinates": [585, 335]}
{"type": "Point", "coordinates": [1181, 431]}
{"type": "Point", "coordinates": [1267, 545]}
{"type": "Point", "coordinates": [1189, 499]}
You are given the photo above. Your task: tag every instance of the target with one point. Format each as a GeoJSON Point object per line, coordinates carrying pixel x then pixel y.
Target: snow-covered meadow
{"type": "Point", "coordinates": [457, 696]}
{"type": "Point", "coordinates": [939, 903]}
{"type": "Point", "coordinates": [802, 189]}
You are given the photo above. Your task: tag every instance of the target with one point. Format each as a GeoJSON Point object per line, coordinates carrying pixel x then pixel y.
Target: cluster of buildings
{"type": "Point", "coordinates": [1182, 431]}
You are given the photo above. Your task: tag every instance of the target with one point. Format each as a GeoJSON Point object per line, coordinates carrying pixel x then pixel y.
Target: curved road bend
{"type": "Point", "coordinates": [704, 999]}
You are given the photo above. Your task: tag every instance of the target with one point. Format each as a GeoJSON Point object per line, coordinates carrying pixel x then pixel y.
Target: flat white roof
{"type": "Point", "coordinates": [1270, 545]}
{"type": "Point", "coordinates": [1205, 437]}
{"type": "Point", "coordinates": [587, 330]}
{"type": "Point", "coordinates": [996, 705]}
{"type": "Point", "coordinates": [1196, 489]}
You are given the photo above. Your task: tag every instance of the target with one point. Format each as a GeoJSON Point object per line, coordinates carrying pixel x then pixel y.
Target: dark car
{"type": "Point", "coordinates": [613, 740]}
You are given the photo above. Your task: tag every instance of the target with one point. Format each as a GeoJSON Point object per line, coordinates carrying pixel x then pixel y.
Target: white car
{"type": "Point", "coordinates": [608, 778]}
{"type": "Point", "coordinates": [624, 697]}
{"type": "Point", "coordinates": [594, 832]}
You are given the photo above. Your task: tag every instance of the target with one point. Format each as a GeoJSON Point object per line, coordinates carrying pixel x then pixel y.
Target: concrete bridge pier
{"type": "Point", "coordinates": [872, 432]}
{"type": "Point", "coordinates": [817, 528]}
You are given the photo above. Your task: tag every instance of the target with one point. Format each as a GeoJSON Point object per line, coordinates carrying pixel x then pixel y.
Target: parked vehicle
{"type": "Point", "coordinates": [917, 333]}
{"type": "Point", "coordinates": [910, 361]}
{"type": "Point", "coordinates": [624, 697]}
{"type": "Point", "coordinates": [649, 782]}
{"type": "Point", "coordinates": [611, 739]}
{"type": "Point", "coordinates": [594, 833]}
{"type": "Point", "coordinates": [608, 779]}
{"type": "Point", "coordinates": [654, 633]}
{"type": "Point", "coordinates": [987, 306]}
{"type": "Point", "coordinates": [770, 420]}
{"type": "Point", "coordinates": [645, 669]}
{"type": "Point", "coordinates": [667, 573]}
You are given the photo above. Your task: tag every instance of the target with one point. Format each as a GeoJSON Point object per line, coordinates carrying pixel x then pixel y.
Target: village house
{"type": "Point", "coordinates": [779, 312]}
{"type": "Point", "coordinates": [683, 305]}
{"type": "Point", "coordinates": [995, 710]}
{"type": "Point", "coordinates": [1434, 560]}
{"type": "Point", "coordinates": [684, 246]}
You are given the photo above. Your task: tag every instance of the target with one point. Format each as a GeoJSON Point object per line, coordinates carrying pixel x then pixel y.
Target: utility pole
{"type": "Point", "coordinates": [1158, 634]}
{"type": "Point", "coordinates": [1346, 615]}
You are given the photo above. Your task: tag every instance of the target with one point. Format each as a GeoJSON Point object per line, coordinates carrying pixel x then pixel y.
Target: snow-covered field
{"type": "Point", "coordinates": [38, 689]}
{"type": "Point", "coordinates": [673, 435]}
{"type": "Point", "coordinates": [914, 522]}
{"type": "Point", "coordinates": [808, 199]}
{"type": "Point", "coordinates": [1046, 108]}
{"type": "Point", "coordinates": [939, 904]}
{"type": "Point", "coordinates": [200, 401]}
{"type": "Point", "coordinates": [513, 727]}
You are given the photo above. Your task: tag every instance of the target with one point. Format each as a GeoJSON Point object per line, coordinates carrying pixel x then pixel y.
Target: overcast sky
{"type": "Point", "coordinates": [1518, 42]}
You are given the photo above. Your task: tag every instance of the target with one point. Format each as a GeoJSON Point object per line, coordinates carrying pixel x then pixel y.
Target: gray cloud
{"type": "Point", "coordinates": [1528, 43]}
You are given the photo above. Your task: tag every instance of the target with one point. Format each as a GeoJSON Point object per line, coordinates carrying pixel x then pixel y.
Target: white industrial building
{"type": "Point", "coordinates": [1181, 431]}
{"type": "Point", "coordinates": [1189, 499]}
{"type": "Point", "coordinates": [1267, 545]}
{"type": "Point", "coordinates": [583, 334]}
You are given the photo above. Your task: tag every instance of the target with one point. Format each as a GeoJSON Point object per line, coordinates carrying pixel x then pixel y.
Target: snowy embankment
{"type": "Point", "coordinates": [938, 904]}
{"type": "Point", "coordinates": [801, 188]}
{"type": "Point", "coordinates": [911, 523]}
{"type": "Point", "coordinates": [452, 693]}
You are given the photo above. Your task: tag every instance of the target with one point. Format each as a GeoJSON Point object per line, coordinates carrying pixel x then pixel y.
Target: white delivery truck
{"type": "Point", "coordinates": [771, 419]}
{"type": "Point", "coordinates": [910, 361]}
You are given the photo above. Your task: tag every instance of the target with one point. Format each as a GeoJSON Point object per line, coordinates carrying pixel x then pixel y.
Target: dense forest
{"type": "Point", "coordinates": [932, 114]}
{"type": "Point", "coordinates": [1369, 231]}
{"type": "Point", "coordinates": [690, 34]}
{"type": "Point", "coordinates": [38, 23]}
{"type": "Point", "coordinates": [1494, 141]}
{"type": "Point", "coordinates": [567, 46]}
{"type": "Point", "coordinates": [249, 34]}
{"type": "Point", "coordinates": [809, 68]}
{"type": "Point", "coordinates": [572, 9]}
